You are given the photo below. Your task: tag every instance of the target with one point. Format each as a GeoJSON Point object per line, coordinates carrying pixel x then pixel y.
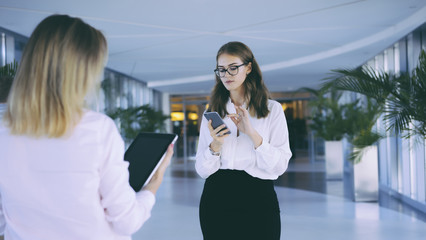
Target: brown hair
{"type": "Point", "coordinates": [255, 90]}
{"type": "Point", "coordinates": [61, 62]}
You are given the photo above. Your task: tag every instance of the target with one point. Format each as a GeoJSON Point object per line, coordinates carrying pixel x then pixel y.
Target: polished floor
{"type": "Point", "coordinates": [311, 208]}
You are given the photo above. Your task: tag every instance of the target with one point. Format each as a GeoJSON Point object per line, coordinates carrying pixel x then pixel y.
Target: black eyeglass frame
{"type": "Point", "coordinates": [217, 72]}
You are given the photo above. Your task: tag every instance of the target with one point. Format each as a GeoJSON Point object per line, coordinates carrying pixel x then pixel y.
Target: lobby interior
{"type": "Point", "coordinates": [162, 53]}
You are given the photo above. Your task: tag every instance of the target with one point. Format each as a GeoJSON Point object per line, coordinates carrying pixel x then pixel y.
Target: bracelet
{"type": "Point", "coordinates": [213, 152]}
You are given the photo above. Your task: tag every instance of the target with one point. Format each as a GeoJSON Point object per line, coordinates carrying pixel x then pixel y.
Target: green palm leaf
{"type": "Point", "coordinates": [9, 70]}
{"type": "Point", "coordinates": [327, 114]}
{"type": "Point", "coordinates": [402, 97]}
{"type": "Point", "coordinates": [362, 80]}
{"type": "Point", "coordinates": [134, 120]}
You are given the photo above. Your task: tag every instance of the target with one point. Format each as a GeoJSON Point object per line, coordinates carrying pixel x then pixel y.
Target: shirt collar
{"type": "Point", "coordinates": [230, 108]}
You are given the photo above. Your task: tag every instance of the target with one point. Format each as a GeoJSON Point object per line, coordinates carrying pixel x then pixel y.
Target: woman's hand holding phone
{"type": "Point", "coordinates": [218, 134]}
{"type": "Point", "coordinates": [218, 130]}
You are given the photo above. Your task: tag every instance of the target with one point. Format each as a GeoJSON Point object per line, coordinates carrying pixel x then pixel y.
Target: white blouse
{"type": "Point", "coordinates": [268, 161]}
{"type": "Point", "coordinates": [69, 188]}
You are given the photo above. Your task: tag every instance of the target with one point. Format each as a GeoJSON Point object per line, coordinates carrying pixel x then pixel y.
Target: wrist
{"type": "Point", "coordinates": [215, 147]}
{"type": "Point", "coordinates": [212, 152]}
{"type": "Point", "coordinates": [256, 138]}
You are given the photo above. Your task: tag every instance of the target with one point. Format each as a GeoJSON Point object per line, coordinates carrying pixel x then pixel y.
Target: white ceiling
{"type": "Point", "coordinates": [172, 44]}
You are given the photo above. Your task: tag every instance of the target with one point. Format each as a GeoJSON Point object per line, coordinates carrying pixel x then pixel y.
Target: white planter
{"type": "Point", "coordinates": [334, 160]}
{"type": "Point", "coordinates": [366, 176]}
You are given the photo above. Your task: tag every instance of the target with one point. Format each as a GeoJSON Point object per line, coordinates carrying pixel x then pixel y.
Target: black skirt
{"type": "Point", "coordinates": [234, 205]}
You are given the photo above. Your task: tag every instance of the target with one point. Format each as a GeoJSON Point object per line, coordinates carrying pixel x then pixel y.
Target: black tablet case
{"type": "Point", "coordinates": [143, 155]}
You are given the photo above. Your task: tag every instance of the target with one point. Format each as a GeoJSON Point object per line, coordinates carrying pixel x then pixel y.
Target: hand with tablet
{"type": "Point", "coordinates": [148, 156]}
{"type": "Point", "coordinates": [157, 178]}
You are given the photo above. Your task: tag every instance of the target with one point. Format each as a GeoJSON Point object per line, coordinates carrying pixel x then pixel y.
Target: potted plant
{"type": "Point", "coordinates": [329, 123]}
{"type": "Point", "coordinates": [353, 122]}
{"type": "Point", "coordinates": [134, 120]}
{"type": "Point", "coordinates": [403, 96]}
{"type": "Point", "coordinates": [362, 166]}
{"type": "Point", "coordinates": [400, 98]}
{"type": "Point", "coordinates": [9, 69]}
{"type": "Point", "coordinates": [7, 73]}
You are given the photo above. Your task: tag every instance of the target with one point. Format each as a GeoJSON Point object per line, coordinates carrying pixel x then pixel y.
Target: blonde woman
{"type": "Point", "coordinates": [62, 173]}
{"type": "Point", "coordinates": [239, 200]}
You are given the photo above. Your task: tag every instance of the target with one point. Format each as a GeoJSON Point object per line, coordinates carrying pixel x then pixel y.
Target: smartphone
{"type": "Point", "coordinates": [216, 120]}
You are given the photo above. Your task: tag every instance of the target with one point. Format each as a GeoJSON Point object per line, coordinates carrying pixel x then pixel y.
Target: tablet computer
{"type": "Point", "coordinates": [145, 154]}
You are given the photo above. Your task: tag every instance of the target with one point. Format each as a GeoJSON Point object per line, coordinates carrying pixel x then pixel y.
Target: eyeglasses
{"type": "Point", "coordinates": [232, 70]}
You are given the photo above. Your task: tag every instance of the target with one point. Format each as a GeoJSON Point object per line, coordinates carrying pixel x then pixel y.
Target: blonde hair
{"type": "Point", "coordinates": [61, 62]}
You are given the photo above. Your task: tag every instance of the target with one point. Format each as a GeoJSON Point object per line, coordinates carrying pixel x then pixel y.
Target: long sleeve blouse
{"type": "Point", "coordinates": [75, 187]}
{"type": "Point", "coordinates": [268, 161]}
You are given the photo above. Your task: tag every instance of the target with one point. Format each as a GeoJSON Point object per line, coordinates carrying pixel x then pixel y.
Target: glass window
{"type": "Point", "coordinates": [2, 49]}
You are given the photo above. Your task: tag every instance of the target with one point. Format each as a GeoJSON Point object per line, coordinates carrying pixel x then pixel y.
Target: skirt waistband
{"type": "Point", "coordinates": [233, 189]}
{"type": "Point", "coordinates": [231, 178]}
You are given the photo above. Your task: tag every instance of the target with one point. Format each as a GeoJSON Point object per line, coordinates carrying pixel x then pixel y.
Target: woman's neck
{"type": "Point", "coordinates": [237, 98]}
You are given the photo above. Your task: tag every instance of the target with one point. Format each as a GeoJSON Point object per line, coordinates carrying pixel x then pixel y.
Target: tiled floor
{"type": "Point", "coordinates": [311, 208]}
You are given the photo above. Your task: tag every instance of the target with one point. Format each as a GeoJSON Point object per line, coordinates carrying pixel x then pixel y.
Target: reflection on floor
{"type": "Point", "coordinates": [311, 208]}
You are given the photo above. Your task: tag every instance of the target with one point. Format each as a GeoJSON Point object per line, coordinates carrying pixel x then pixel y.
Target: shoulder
{"type": "Point", "coordinates": [274, 106]}
{"type": "Point", "coordinates": [98, 125]}
{"type": "Point", "coordinates": [96, 120]}
{"type": "Point", "coordinates": [275, 110]}
{"type": "Point", "coordinates": [90, 115]}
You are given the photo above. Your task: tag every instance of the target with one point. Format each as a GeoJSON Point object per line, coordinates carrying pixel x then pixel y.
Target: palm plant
{"type": "Point", "coordinates": [134, 120]}
{"type": "Point", "coordinates": [9, 70]}
{"type": "Point", "coordinates": [333, 120]}
{"type": "Point", "coordinates": [327, 118]}
{"type": "Point", "coordinates": [360, 122]}
{"type": "Point", "coordinates": [401, 96]}
{"type": "Point", "coordinates": [7, 74]}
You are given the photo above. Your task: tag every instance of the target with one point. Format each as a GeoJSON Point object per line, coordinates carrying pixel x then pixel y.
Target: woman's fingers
{"type": "Point", "coordinates": [236, 118]}
{"type": "Point", "coordinates": [209, 125]}
{"type": "Point", "coordinates": [222, 133]}
{"type": "Point", "coordinates": [167, 158]}
{"type": "Point", "coordinates": [157, 178]}
{"type": "Point", "coordinates": [217, 132]}
{"type": "Point", "coordinates": [234, 115]}
{"type": "Point", "coordinates": [242, 112]}
{"type": "Point", "coordinates": [170, 152]}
